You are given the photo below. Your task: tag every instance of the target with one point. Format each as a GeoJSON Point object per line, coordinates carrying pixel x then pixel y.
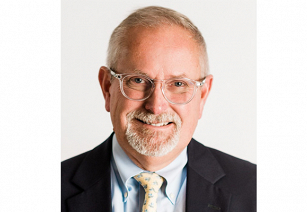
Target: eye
{"type": "Point", "coordinates": [178, 84]}
{"type": "Point", "coordinates": [138, 80]}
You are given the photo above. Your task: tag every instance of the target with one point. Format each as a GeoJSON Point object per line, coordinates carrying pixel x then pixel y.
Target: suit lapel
{"type": "Point", "coordinates": [93, 176]}
{"type": "Point", "coordinates": [202, 174]}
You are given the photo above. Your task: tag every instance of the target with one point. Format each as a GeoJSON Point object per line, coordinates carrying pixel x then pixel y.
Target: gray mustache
{"type": "Point", "coordinates": [151, 118]}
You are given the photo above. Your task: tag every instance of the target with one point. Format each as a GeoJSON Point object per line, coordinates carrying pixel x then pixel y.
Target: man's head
{"type": "Point", "coordinates": [153, 17]}
{"type": "Point", "coordinates": [159, 44]}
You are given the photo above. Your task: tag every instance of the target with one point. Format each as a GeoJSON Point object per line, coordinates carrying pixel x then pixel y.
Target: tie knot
{"type": "Point", "coordinates": [150, 181]}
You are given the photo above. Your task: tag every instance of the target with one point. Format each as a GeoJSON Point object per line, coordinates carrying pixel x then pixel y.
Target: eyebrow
{"type": "Point", "coordinates": [136, 71]}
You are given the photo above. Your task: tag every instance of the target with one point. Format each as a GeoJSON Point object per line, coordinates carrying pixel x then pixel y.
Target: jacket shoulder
{"type": "Point", "coordinates": [69, 166]}
{"type": "Point", "coordinates": [240, 180]}
{"type": "Point", "coordinates": [239, 176]}
{"type": "Point", "coordinates": [232, 164]}
{"type": "Point", "coordinates": [82, 172]}
{"type": "Point", "coordinates": [68, 170]}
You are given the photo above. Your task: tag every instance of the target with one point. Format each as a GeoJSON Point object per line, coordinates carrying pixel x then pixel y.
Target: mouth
{"type": "Point", "coordinates": [158, 124]}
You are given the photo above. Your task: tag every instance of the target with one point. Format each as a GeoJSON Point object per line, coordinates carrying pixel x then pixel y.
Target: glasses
{"type": "Point", "coordinates": [139, 87]}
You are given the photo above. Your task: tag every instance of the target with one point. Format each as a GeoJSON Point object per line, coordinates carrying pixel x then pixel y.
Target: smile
{"type": "Point", "coordinates": [155, 124]}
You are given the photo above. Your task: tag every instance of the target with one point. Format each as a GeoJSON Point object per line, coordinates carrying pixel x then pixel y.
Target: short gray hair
{"type": "Point", "coordinates": [154, 16]}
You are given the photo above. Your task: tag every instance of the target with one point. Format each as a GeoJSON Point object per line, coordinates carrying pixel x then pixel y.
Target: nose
{"type": "Point", "coordinates": [156, 103]}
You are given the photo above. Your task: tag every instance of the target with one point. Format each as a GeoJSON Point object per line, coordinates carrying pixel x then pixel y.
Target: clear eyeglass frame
{"type": "Point", "coordinates": [121, 77]}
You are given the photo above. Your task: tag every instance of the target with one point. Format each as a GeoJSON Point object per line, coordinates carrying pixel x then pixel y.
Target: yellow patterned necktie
{"type": "Point", "coordinates": [151, 183]}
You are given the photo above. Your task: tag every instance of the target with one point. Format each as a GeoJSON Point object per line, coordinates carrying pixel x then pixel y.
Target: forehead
{"type": "Point", "coordinates": [166, 50]}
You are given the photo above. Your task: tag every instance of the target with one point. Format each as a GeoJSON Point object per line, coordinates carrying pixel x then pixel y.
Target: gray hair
{"type": "Point", "coordinates": [154, 16]}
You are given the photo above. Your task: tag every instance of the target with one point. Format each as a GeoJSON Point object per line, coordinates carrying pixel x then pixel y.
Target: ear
{"type": "Point", "coordinates": [105, 83]}
{"type": "Point", "coordinates": [205, 90]}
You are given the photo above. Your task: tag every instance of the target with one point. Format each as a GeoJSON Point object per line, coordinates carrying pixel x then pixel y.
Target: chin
{"type": "Point", "coordinates": [152, 143]}
{"type": "Point", "coordinates": [153, 135]}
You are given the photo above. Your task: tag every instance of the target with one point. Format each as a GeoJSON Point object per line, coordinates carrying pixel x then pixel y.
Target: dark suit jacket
{"type": "Point", "coordinates": [216, 182]}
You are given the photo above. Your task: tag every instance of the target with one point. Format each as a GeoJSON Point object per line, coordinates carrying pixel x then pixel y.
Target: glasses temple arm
{"type": "Point", "coordinates": [201, 83]}
{"type": "Point", "coordinates": [118, 76]}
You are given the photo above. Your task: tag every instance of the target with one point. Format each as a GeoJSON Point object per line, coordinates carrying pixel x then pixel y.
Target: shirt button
{"type": "Point", "coordinates": [172, 196]}
{"type": "Point", "coordinates": [126, 194]}
{"type": "Point", "coordinates": [129, 188]}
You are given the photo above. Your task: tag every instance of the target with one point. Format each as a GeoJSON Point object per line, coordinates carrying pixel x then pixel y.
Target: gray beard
{"type": "Point", "coordinates": [149, 142]}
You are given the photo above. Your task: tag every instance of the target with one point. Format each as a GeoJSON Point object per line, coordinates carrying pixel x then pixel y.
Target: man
{"type": "Point", "coordinates": [155, 87]}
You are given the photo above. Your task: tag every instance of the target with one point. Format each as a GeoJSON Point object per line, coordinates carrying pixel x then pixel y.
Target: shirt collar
{"type": "Point", "coordinates": [174, 173]}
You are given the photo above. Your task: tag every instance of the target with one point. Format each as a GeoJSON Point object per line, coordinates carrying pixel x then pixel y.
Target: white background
{"type": "Point", "coordinates": [30, 109]}
{"type": "Point", "coordinates": [229, 28]}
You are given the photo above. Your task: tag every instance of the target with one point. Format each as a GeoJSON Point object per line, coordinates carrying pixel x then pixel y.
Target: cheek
{"type": "Point", "coordinates": [191, 111]}
{"type": "Point", "coordinates": [120, 107]}
{"type": "Point", "coordinates": [190, 119]}
{"type": "Point", "coordinates": [189, 115]}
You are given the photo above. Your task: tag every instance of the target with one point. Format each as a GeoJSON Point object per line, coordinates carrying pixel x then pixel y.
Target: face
{"type": "Point", "coordinates": [155, 127]}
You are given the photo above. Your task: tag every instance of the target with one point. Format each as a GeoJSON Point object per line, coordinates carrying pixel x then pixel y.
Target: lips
{"type": "Point", "coordinates": [159, 124]}
{"type": "Point", "coordinates": [154, 122]}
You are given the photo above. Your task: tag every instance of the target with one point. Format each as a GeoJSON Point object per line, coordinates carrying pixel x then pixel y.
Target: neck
{"type": "Point", "coordinates": [150, 163]}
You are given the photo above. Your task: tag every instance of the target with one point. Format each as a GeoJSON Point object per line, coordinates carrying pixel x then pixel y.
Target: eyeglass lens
{"type": "Point", "coordinates": [175, 90]}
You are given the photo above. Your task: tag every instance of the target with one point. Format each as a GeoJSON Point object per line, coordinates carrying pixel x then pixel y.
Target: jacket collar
{"type": "Point", "coordinates": [94, 177]}
{"type": "Point", "coordinates": [201, 160]}
{"type": "Point", "coordinates": [202, 174]}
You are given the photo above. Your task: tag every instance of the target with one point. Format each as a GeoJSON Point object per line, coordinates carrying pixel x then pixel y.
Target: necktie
{"type": "Point", "coordinates": [151, 183]}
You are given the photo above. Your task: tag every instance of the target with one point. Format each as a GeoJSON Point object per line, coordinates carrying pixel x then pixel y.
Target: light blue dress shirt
{"type": "Point", "coordinates": [128, 194]}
